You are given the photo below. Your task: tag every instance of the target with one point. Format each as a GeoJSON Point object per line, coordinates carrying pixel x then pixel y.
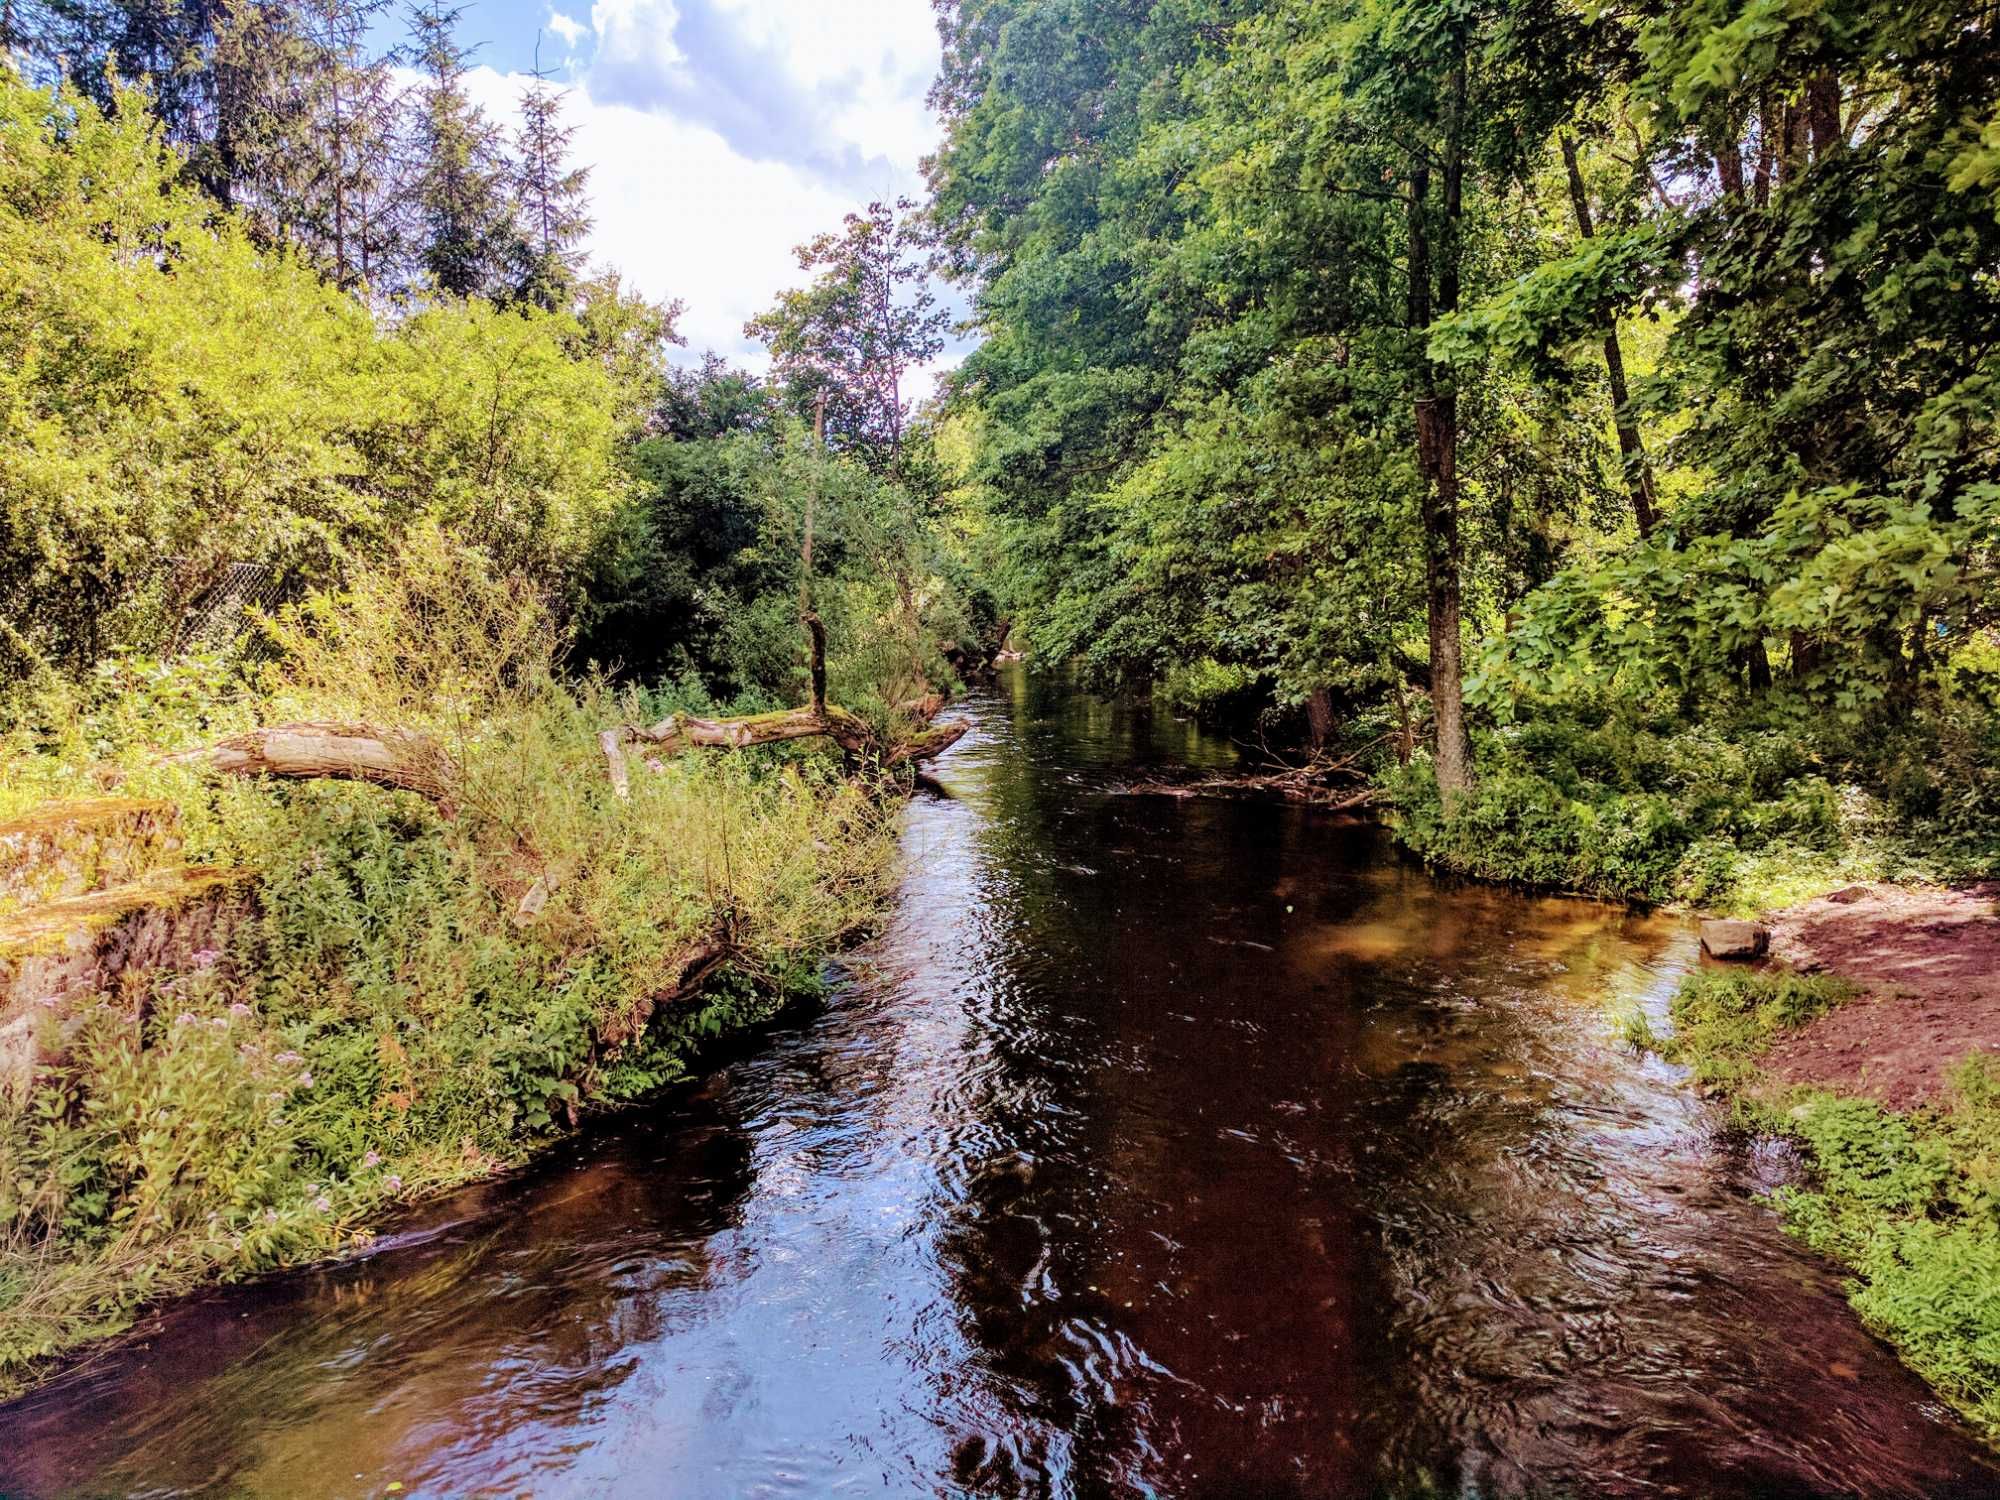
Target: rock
{"type": "Point", "coordinates": [1848, 895]}
{"type": "Point", "coordinates": [1723, 938]}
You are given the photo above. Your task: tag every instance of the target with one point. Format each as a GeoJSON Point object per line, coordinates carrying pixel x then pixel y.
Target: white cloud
{"type": "Point", "coordinates": [568, 28]}
{"type": "Point", "coordinates": [679, 214]}
{"type": "Point", "coordinates": [721, 133]}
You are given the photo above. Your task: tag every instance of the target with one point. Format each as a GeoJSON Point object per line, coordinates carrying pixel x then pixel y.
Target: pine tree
{"type": "Point", "coordinates": [459, 173]}
{"type": "Point", "coordinates": [552, 209]}
{"type": "Point", "coordinates": [169, 44]}
{"type": "Point", "coordinates": [348, 218]}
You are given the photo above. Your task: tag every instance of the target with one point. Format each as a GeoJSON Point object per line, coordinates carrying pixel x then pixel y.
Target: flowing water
{"type": "Point", "coordinates": [1158, 1147]}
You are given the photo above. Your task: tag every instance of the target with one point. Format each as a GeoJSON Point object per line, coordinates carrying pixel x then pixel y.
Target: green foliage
{"type": "Point", "coordinates": [849, 338]}
{"type": "Point", "coordinates": [177, 402]}
{"type": "Point", "coordinates": [1191, 232]}
{"type": "Point", "coordinates": [1737, 808]}
{"type": "Point", "coordinates": [1724, 1018]}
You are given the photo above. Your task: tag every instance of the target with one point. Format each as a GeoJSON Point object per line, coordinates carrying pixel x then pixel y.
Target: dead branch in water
{"type": "Point", "coordinates": [681, 732]}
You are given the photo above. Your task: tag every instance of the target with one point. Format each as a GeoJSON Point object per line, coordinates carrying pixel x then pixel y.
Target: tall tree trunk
{"type": "Point", "coordinates": [1437, 449]}
{"type": "Point", "coordinates": [1823, 112]}
{"type": "Point", "coordinates": [1319, 717]}
{"type": "Point", "coordinates": [1631, 451]}
{"type": "Point", "coordinates": [1792, 143]}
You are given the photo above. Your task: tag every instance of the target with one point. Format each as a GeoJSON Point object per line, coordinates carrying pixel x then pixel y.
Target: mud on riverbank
{"type": "Point", "coordinates": [1927, 961]}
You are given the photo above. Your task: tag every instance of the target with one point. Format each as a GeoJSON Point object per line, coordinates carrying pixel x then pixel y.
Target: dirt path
{"type": "Point", "coordinates": [1930, 961]}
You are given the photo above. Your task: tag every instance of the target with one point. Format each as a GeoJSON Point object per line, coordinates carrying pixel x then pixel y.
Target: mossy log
{"type": "Point", "coordinates": [69, 848]}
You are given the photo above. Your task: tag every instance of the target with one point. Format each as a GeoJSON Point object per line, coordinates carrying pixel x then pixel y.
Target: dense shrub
{"type": "Point", "coordinates": [1730, 809]}
{"type": "Point", "coordinates": [178, 400]}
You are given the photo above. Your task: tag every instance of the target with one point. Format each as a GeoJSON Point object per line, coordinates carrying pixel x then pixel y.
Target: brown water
{"type": "Point", "coordinates": [1175, 1148]}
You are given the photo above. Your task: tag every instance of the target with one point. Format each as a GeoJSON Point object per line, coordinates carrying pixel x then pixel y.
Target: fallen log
{"type": "Point", "coordinates": [345, 752]}
{"type": "Point", "coordinates": [313, 749]}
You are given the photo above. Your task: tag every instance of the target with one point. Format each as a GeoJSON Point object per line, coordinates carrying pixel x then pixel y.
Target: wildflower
{"type": "Point", "coordinates": [305, 1080]}
{"type": "Point", "coordinates": [323, 1203]}
{"type": "Point", "coordinates": [393, 1183]}
{"type": "Point", "coordinates": [372, 1159]}
{"type": "Point", "coordinates": [204, 958]}
{"type": "Point", "coordinates": [185, 1018]}
{"type": "Point", "coordinates": [286, 1059]}
{"type": "Point", "coordinates": [220, 1023]}
{"type": "Point", "coordinates": [270, 1216]}
{"type": "Point", "coordinates": [240, 1009]}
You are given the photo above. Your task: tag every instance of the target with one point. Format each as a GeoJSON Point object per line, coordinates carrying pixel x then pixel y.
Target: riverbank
{"type": "Point", "coordinates": [249, 1018]}
{"type": "Point", "coordinates": [1871, 1040]}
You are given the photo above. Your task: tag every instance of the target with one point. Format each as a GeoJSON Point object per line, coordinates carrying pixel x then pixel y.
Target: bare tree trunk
{"type": "Point", "coordinates": [1768, 130]}
{"type": "Point", "coordinates": [1319, 717]}
{"type": "Point", "coordinates": [1631, 450]}
{"type": "Point", "coordinates": [1791, 143]}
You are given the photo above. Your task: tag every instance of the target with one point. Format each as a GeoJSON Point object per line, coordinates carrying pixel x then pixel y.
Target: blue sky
{"type": "Point", "coordinates": [721, 133]}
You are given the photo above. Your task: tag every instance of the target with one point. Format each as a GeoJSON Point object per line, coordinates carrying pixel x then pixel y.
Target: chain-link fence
{"type": "Point", "coordinates": [219, 615]}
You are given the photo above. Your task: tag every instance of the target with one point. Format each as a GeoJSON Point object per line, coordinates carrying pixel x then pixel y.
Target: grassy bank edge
{"type": "Point", "coordinates": [1907, 1202]}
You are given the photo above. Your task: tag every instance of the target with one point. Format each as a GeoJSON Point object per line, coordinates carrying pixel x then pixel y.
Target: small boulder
{"type": "Point", "coordinates": [1723, 938]}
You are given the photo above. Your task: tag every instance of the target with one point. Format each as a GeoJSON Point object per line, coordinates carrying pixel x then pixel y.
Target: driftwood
{"type": "Point", "coordinates": [1288, 787]}
{"type": "Point", "coordinates": [1324, 781]}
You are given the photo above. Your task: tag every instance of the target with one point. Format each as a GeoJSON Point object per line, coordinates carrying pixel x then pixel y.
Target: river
{"type": "Point", "coordinates": [1157, 1147]}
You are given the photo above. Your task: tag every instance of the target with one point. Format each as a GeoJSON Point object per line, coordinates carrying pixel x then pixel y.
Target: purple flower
{"type": "Point", "coordinates": [372, 1159]}
{"type": "Point", "coordinates": [323, 1203]}
{"type": "Point", "coordinates": [286, 1059]}
{"type": "Point", "coordinates": [393, 1183]}
{"type": "Point", "coordinates": [305, 1080]}
{"type": "Point", "coordinates": [220, 1023]}
{"type": "Point", "coordinates": [185, 1018]}
{"type": "Point", "coordinates": [204, 958]}
{"type": "Point", "coordinates": [240, 1009]}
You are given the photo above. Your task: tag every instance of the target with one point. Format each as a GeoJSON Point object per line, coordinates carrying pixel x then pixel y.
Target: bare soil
{"type": "Point", "coordinates": [1929, 960]}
